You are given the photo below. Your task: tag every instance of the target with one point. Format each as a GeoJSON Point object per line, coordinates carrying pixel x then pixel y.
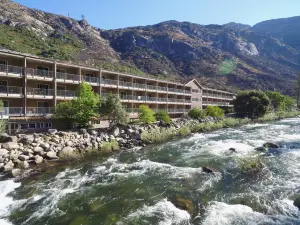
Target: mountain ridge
{"type": "Point", "coordinates": [230, 56]}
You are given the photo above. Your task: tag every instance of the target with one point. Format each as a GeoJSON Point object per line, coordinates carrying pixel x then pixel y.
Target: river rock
{"type": "Point", "coordinates": [69, 143]}
{"type": "Point", "coordinates": [8, 166]}
{"type": "Point", "coordinates": [115, 131]}
{"type": "Point", "coordinates": [232, 149]}
{"type": "Point", "coordinates": [23, 157]}
{"type": "Point", "coordinates": [297, 203]}
{"type": "Point", "coordinates": [183, 204]}
{"type": "Point", "coordinates": [207, 169]}
{"type": "Point", "coordinates": [51, 155]}
{"type": "Point", "coordinates": [5, 138]}
{"type": "Point", "coordinates": [38, 159]}
{"type": "Point", "coordinates": [16, 172]}
{"type": "Point", "coordinates": [66, 151]}
{"type": "Point", "coordinates": [270, 145]}
{"type": "Point", "coordinates": [23, 164]}
{"type": "Point", "coordinates": [52, 131]}
{"type": "Point", "coordinates": [45, 146]}
{"type": "Point", "coordinates": [38, 150]}
{"type": "Point", "coordinates": [10, 145]}
{"type": "Point", "coordinates": [3, 152]}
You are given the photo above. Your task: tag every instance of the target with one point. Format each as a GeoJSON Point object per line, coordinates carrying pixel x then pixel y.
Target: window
{"type": "Point", "coordinates": [43, 104]}
{"type": "Point", "coordinates": [48, 124]}
{"type": "Point", "coordinates": [3, 83]}
{"type": "Point", "coordinates": [3, 62]}
{"type": "Point", "coordinates": [90, 75]}
{"type": "Point", "coordinates": [195, 90]}
{"type": "Point", "coordinates": [5, 103]}
{"type": "Point", "coordinates": [31, 126]}
{"type": "Point", "coordinates": [43, 86]}
{"type": "Point", "coordinates": [42, 68]}
{"type": "Point", "coordinates": [61, 88]}
{"type": "Point", "coordinates": [195, 99]}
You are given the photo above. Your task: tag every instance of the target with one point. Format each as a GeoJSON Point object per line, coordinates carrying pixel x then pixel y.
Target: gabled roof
{"type": "Point", "coordinates": [196, 82]}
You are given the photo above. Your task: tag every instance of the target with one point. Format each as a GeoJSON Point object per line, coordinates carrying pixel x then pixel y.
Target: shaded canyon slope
{"type": "Point", "coordinates": [229, 56]}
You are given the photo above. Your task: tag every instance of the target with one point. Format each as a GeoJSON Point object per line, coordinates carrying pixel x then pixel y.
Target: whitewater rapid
{"type": "Point", "coordinates": [137, 187]}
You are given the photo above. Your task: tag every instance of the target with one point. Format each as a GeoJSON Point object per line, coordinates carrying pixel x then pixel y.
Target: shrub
{"type": "Point", "coordinates": [184, 131]}
{"type": "Point", "coordinates": [251, 103]}
{"type": "Point", "coordinates": [196, 113]}
{"type": "Point", "coordinates": [81, 109]}
{"type": "Point", "coordinates": [110, 146]}
{"type": "Point", "coordinates": [163, 116]}
{"type": "Point", "coordinates": [158, 135]}
{"type": "Point", "coordinates": [279, 101]}
{"type": "Point", "coordinates": [112, 108]}
{"type": "Point", "coordinates": [214, 111]}
{"type": "Point", "coordinates": [146, 114]}
{"type": "Point", "coordinates": [251, 165]}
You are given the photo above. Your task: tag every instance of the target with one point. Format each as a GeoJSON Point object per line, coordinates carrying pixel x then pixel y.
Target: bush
{"type": "Point", "coordinates": [163, 116]}
{"type": "Point", "coordinates": [196, 113]}
{"type": "Point", "coordinates": [146, 114]}
{"type": "Point", "coordinates": [280, 102]}
{"type": "Point", "coordinates": [158, 135]}
{"type": "Point", "coordinates": [81, 109]}
{"type": "Point", "coordinates": [112, 108]}
{"type": "Point", "coordinates": [184, 131]}
{"type": "Point", "coordinates": [251, 165]}
{"type": "Point", "coordinates": [214, 111]}
{"type": "Point", "coordinates": [251, 103]}
{"type": "Point", "coordinates": [107, 147]}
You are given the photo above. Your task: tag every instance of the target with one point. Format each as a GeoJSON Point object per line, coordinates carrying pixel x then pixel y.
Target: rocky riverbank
{"type": "Point", "coordinates": [23, 151]}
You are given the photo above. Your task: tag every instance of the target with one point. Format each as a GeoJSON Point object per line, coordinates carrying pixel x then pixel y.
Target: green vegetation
{"type": "Point", "coordinates": [146, 114]}
{"type": "Point", "coordinates": [227, 66]}
{"type": "Point", "coordinates": [158, 135]}
{"type": "Point", "coordinates": [252, 104]}
{"type": "Point", "coordinates": [278, 116]}
{"type": "Point", "coordinates": [110, 146]}
{"type": "Point", "coordinates": [184, 131]}
{"type": "Point", "coordinates": [163, 116]}
{"type": "Point", "coordinates": [196, 113]}
{"type": "Point", "coordinates": [251, 165]}
{"type": "Point", "coordinates": [112, 108]}
{"type": "Point", "coordinates": [81, 110]}
{"type": "Point", "coordinates": [214, 111]}
{"type": "Point", "coordinates": [58, 45]}
{"type": "Point", "coordinates": [280, 102]}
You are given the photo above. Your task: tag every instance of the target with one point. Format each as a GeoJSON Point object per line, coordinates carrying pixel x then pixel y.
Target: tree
{"type": "Point", "coordinates": [146, 114]}
{"type": "Point", "coordinates": [163, 116]}
{"type": "Point", "coordinates": [112, 108]}
{"type": "Point", "coordinates": [80, 110]}
{"type": "Point", "coordinates": [214, 111]}
{"type": "Point", "coordinates": [251, 103]}
{"type": "Point", "coordinates": [280, 102]}
{"type": "Point", "coordinates": [298, 91]}
{"type": "Point", "coordinates": [196, 113]}
{"type": "Point", "coordinates": [2, 121]}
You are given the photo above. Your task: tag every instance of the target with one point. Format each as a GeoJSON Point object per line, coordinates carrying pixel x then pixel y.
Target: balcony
{"type": "Point", "coordinates": [138, 85]}
{"type": "Point", "coordinates": [9, 70]}
{"type": "Point", "coordinates": [151, 99]}
{"type": "Point", "coordinates": [92, 80]}
{"type": "Point", "coordinates": [125, 84]}
{"type": "Point", "coordinates": [66, 77]}
{"type": "Point", "coordinates": [109, 82]}
{"type": "Point", "coordinates": [217, 95]}
{"type": "Point", "coordinates": [162, 99]}
{"type": "Point", "coordinates": [151, 87]}
{"type": "Point", "coordinates": [66, 93]}
{"type": "Point", "coordinates": [126, 97]}
{"type": "Point", "coordinates": [216, 103]}
{"type": "Point", "coordinates": [40, 92]}
{"type": "Point", "coordinates": [39, 111]}
{"type": "Point", "coordinates": [39, 74]}
{"type": "Point", "coordinates": [10, 91]}
{"type": "Point", "coordinates": [132, 110]}
{"type": "Point", "coordinates": [159, 88]}
{"type": "Point", "coordinates": [11, 111]}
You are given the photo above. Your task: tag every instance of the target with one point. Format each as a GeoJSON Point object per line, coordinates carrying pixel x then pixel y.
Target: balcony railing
{"type": "Point", "coordinates": [125, 84]}
{"type": "Point", "coordinates": [162, 99]}
{"type": "Point", "coordinates": [217, 95]}
{"type": "Point", "coordinates": [11, 69]}
{"type": "Point", "coordinates": [67, 76]}
{"type": "Point", "coordinates": [39, 91]}
{"type": "Point", "coordinates": [159, 88]}
{"type": "Point", "coordinates": [11, 111]}
{"type": "Point", "coordinates": [126, 97]}
{"type": "Point", "coordinates": [215, 103]}
{"type": "Point", "coordinates": [137, 85]}
{"type": "Point", "coordinates": [10, 90]}
{"type": "Point", "coordinates": [39, 73]}
{"type": "Point", "coordinates": [151, 87]}
{"type": "Point", "coordinates": [109, 82]}
{"type": "Point", "coordinates": [151, 99]}
{"type": "Point", "coordinates": [39, 110]}
{"type": "Point", "coordinates": [66, 93]}
{"type": "Point", "coordinates": [90, 79]}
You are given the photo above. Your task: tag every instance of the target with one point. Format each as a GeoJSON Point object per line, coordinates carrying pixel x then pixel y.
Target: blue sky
{"type": "Point", "coordinates": [112, 14]}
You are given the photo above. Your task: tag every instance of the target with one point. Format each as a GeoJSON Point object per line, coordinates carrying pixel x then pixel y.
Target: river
{"type": "Point", "coordinates": [137, 187]}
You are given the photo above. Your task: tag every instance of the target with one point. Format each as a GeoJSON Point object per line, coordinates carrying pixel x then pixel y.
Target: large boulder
{"type": "Point", "coordinates": [184, 204]}
{"type": "Point", "coordinates": [16, 172]}
{"type": "Point", "coordinates": [52, 131]}
{"type": "Point", "coordinates": [26, 139]}
{"type": "Point", "coordinates": [3, 152]}
{"type": "Point", "coordinates": [5, 138]}
{"type": "Point", "coordinates": [270, 145]}
{"type": "Point", "coordinates": [23, 157]}
{"type": "Point", "coordinates": [297, 203]}
{"type": "Point", "coordinates": [66, 152]}
{"type": "Point", "coordinates": [38, 159]}
{"type": "Point", "coordinates": [23, 164]}
{"type": "Point", "coordinates": [207, 169]}
{"type": "Point", "coordinates": [115, 131]}
{"type": "Point", "coordinates": [51, 155]}
{"type": "Point", "coordinates": [45, 146]}
{"type": "Point", "coordinates": [8, 166]}
{"type": "Point", "coordinates": [10, 145]}
{"type": "Point", "coordinates": [38, 150]}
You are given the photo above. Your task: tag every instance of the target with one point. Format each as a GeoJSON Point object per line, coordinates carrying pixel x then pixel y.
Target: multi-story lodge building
{"type": "Point", "coordinates": [31, 87]}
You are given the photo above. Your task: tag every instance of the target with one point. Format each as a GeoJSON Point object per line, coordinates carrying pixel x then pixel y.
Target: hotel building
{"type": "Point", "coordinates": [31, 87]}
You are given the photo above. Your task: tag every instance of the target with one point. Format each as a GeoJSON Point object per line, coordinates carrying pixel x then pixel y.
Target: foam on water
{"type": "Point", "coordinates": [162, 213]}
{"type": "Point", "coordinates": [6, 187]}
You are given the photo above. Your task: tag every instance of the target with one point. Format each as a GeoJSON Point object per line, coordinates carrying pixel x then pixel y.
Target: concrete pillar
{"type": "Point", "coordinates": [132, 95]}
{"type": "Point", "coordinates": [118, 84]}
{"type": "Point", "coordinates": [100, 80]}
{"type": "Point", "coordinates": [79, 72]}
{"type": "Point", "coordinates": [55, 86]}
{"type": "Point", "coordinates": [25, 87]}
{"type": "Point", "coordinates": [156, 95]}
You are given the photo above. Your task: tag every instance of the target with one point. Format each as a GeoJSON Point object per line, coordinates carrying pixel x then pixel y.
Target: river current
{"type": "Point", "coordinates": [137, 187]}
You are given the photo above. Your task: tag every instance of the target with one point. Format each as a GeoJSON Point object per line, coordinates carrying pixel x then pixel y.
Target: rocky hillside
{"type": "Point", "coordinates": [226, 56]}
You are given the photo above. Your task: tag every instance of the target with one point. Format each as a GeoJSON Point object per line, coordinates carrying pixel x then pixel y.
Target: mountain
{"type": "Point", "coordinates": [228, 56]}
{"type": "Point", "coordinates": [286, 29]}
